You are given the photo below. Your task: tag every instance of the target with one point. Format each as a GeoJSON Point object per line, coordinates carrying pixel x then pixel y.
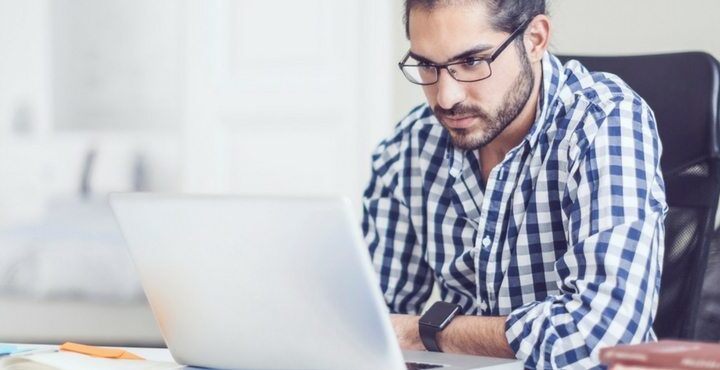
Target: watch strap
{"type": "Point", "coordinates": [428, 336]}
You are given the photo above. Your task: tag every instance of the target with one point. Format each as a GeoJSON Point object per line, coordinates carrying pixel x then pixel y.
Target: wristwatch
{"type": "Point", "coordinates": [434, 320]}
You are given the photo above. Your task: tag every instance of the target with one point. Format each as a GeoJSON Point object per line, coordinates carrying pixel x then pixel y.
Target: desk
{"type": "Point", "coordinates": [163, 354]}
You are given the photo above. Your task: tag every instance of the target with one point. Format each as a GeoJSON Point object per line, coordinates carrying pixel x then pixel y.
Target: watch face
{"type": "Point", "coordinates": [439, 314]}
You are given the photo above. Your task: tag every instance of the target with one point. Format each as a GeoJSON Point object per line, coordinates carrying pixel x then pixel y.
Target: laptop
{"type": "Point", "coordinates": [239, 282]}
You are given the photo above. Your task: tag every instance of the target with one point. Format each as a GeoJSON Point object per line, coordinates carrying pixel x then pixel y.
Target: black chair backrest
{"type": "Point", "coordinates": [683, 91]}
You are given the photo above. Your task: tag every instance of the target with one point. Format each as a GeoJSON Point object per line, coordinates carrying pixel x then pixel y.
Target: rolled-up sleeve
{"type": "Point", "coordinates": [609, 276]}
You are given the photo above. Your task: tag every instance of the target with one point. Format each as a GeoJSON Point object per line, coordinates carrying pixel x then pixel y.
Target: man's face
{"type": "Point", "coordinates": [474, 113]}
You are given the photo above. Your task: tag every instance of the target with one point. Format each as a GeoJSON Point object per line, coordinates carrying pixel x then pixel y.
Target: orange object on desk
{"type": "Point", "coordinates": [99, 351]}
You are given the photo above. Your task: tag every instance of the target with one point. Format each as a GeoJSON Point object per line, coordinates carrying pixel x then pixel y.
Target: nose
{"type": "Point", "coordinates": [450, 92]}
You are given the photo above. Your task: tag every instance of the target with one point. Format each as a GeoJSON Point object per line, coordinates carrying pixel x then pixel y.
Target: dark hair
{"type": "Point", "coordinates": [506, 15]}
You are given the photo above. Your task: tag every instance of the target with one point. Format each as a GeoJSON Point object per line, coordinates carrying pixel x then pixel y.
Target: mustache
{"type": "Point", "coordinates": [460, 110]}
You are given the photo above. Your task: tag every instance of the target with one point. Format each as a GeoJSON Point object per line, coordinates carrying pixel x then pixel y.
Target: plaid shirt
{"type": "Point", "coordinates": [566, 238]}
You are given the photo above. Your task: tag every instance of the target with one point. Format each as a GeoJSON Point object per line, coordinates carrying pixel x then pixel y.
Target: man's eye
{"type": "Point", "coordinates": [425, 66]}
{"type": "Point", "coordinates": [473, 62]}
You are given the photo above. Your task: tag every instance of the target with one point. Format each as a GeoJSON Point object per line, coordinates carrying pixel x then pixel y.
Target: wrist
{"type": "Point", "coordinates": [407, 331]}
{"type": "Point", "coordinates": [413, 334]}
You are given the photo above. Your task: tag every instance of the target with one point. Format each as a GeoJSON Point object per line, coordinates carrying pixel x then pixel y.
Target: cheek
{"type": "Point", "coordinates": [490, 94]}
{"type": "Point", "coordinates": [485, 94]}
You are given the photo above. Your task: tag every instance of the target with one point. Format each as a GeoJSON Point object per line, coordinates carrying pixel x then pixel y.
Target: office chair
{"type": "Point", "coordinates": [683, 90]}
{"type": "Point", "coordinates": [708, 319]}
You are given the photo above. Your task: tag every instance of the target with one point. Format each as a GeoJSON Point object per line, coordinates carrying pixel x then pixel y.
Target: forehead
{"type": "Point", "coordinates": [446, 30]}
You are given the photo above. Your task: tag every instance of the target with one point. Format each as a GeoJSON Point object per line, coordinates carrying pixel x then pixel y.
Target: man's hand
{"type": "Point", "coordinates": [406, 329]}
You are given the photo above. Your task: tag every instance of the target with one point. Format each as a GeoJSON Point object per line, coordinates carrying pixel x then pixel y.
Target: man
{"type": "Point", "coordinates": [529, 192]}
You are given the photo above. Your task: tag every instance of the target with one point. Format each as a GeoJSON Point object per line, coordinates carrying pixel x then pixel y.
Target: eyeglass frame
{"type": "Point", "coordinates": [438, 67]}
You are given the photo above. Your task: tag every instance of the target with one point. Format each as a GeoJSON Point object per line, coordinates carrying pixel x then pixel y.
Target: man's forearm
{"type": "Point", "coordinates": [475, 335]}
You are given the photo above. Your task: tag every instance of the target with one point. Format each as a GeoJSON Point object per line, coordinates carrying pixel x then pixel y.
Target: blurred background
{"type": "Point", "coordinates": [210, 96]}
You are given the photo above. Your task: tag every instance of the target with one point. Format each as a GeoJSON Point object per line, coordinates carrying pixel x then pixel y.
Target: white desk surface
{"type": "Point", "coordinates": [163, 354]}
{"type": "Point", "coordinates": [154, 354]}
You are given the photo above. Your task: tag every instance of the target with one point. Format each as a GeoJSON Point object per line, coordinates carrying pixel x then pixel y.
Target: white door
{"type": "Point", "coordinates": [285, 97]}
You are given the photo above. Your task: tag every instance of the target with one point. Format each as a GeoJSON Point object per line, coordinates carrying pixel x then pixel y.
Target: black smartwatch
{"type": "Point", "coordinates": [434, 320]}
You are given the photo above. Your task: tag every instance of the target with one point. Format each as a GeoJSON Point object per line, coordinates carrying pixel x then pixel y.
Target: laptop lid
{"type": "Point", "coordinates": [258, 282]}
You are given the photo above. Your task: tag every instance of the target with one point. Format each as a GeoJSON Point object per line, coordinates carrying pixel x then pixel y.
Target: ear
{"type": "Point", "coordinates": [537, 37]}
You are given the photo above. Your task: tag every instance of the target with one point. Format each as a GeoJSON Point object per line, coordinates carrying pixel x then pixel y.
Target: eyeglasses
{"type": "Point", "coordinates": [470, 69]}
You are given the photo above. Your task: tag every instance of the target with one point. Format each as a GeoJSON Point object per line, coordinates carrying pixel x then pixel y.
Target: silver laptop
{"type": "Point", "coordinates": [266, 283]}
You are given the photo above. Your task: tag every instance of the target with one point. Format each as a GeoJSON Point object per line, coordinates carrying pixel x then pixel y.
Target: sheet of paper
{"type": "Point", "coordinates": [75, 361]}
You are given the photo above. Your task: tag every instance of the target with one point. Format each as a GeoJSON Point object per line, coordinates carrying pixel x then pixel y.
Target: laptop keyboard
{"type": "Point", "coordinates": [420, 366]}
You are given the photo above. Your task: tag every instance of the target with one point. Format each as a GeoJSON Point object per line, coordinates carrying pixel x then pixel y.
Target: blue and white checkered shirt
{"type": "Point", "coordinates": [566, 238]}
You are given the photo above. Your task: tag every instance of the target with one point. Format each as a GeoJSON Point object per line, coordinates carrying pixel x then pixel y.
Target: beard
{"type": "Point", "coordinates": [491, 125]}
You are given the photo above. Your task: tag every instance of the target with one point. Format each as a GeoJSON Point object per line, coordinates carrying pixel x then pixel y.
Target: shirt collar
{"type": "Point", "coordinates": [552, 78]}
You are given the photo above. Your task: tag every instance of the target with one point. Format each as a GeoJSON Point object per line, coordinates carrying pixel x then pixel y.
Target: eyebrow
{"type": "Point", "coordinates": [467, 53]}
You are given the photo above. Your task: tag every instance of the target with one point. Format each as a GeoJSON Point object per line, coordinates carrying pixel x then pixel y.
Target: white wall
{"type": "Point", "coordinates": [24, 104]}
{"type": "Point", "coordinates": [635, 27]}
{"type": "Point", "coordinates": [116, 65]}
{"type": "Point", "coordinates": [242, 98]}
{"type": "Point", "coordinates": [605, 28]}
{"type": "Point", "coordinates": [251, 96]}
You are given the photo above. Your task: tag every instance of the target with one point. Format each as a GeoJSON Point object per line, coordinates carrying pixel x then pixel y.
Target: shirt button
{"type": "Point", "coordinates": [486, 241]}
{"type": "Point", "coordinates": [483, 305]}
